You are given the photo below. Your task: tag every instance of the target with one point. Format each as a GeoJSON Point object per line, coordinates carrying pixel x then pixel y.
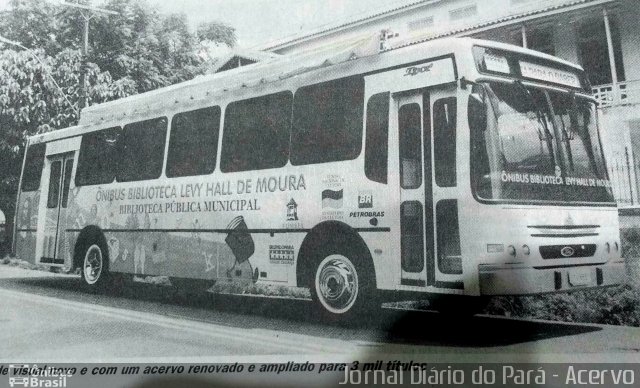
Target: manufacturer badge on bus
{"type": "Point", "coordinates": [567, 251]}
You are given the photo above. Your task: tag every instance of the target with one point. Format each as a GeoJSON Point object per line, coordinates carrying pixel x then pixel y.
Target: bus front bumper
{"type": "Point", "coordinates": [504, 280]}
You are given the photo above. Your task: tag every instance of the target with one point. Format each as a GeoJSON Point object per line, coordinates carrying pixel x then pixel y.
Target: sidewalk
{"type": "Point", "coordinates": [9, 271]}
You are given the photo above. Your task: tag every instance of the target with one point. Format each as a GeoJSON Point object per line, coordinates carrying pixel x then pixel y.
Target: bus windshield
{"type": "Point", "coordinates": [536, 145]}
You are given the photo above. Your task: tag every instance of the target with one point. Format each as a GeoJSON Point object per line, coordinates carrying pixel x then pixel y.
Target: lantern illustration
{"type": "Point", "coordinates": [292, 211]}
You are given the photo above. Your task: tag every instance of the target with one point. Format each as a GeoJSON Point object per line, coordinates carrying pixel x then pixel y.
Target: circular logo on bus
{"type": "Point", "coordinates": [567, 251]}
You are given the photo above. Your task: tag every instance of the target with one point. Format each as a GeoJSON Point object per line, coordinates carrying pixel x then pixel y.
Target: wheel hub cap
{"type": "Point", "coordinates": [93, 264]}
{"type": "Point", "coordinates": [338, 283]}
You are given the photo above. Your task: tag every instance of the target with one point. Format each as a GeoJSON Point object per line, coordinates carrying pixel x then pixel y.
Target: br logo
{"type": "Point", "coordinates": [365, 200]}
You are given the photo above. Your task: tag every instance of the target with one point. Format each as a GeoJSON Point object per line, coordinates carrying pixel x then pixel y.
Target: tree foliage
{"type": "Point", "coordinates": [137, 50]}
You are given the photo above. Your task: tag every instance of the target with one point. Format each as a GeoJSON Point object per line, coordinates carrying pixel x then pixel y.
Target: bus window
{"type": "Point", "coordinates": [68, 167]}
{"type": "Point", "coordinates": [33, 167]}
{"type": "Point", "coordinates": [449, 251]}
{"type": "Point", "coordinates": [409, 126]}
{"type": "Point", "coordinates": [328, 121]}
{"type": "Point", "coordinates": [193, 143]}
{"type": "Point", "coordinates": [411, 237]}
{"type": "Point", "coordinates": [98, 155]}
{"type": "Point", "coordinates": [54, 184]}
{"type": "Point", "coordinates": [256, 133]}
{"type": "Point", "coordinates": [376, 148]}
{"type": "Point", "coordinates": [444, 141]}
{"type": "Point", "coordinates": [142, 150]}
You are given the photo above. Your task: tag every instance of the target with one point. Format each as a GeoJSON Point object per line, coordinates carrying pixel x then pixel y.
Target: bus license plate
{"type": "Point", "coordinates": [580, 276]}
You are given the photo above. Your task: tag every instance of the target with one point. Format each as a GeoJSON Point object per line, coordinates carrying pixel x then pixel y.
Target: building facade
{"type": "Point", "coordinates": [601, 35]}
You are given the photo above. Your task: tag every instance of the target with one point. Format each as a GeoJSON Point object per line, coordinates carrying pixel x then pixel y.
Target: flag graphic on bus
{"type": "Point", "coordinates": [332, 198]}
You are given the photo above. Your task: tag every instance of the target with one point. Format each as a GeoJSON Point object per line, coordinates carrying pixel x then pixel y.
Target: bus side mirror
{"type": "Point", "coordinates": [477, 112]}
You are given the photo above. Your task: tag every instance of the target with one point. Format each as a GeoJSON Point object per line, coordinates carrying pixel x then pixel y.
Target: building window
{"type": "Point", "coordinates": [256, 133]}
{"type": "Point", "coordinates": [594, 51]}
{"type": "Point", "coordinates": [420, 24]}
{"type": "Point", "coordinates": [463, 12]}
{"type": "Point", "coordinates": [541, 39]}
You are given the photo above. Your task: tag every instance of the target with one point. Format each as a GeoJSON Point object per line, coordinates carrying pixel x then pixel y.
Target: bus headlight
{"type": "Point", "coordinates": [607, 247]}
{"type": "Point", "coordinates": [616, 245]}
{"type": "Point", "coordinates": [511, 250]}
{"type": "Point", "coordinates": [526, 250]}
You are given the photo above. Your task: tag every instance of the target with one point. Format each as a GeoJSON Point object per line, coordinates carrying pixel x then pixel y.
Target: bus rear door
{"type": "Point", "coordinates": [59, 167]}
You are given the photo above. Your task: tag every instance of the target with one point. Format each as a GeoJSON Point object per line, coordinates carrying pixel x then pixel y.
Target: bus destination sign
{"type": "Point", "coordinates": [549, 74]}
{"type": "Point", "coordinates": [496, 63]}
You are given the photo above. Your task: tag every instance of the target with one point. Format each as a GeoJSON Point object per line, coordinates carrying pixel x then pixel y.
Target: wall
{"type": "Point", "coordinates": [628, 18]}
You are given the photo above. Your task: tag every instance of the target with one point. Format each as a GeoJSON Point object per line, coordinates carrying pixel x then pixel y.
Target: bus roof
{"type": "Point", "coordinates": [362, 52]}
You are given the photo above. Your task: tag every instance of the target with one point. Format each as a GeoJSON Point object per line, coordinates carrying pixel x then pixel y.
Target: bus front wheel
{"type": "Point", "coordinates": [95, 272]}
{"type": "Point", "coordinates": [342, 289]}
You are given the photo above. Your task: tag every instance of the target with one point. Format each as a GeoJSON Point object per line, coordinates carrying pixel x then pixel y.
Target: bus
{"type": "Point", "coordinates": [4, 239]}
{"type": "Point", "coordinates": [450, 170]}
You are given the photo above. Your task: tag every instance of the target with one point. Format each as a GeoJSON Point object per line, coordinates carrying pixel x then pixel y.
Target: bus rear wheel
{"type": "Point", "coordinates": [342, 289]}
{"type": "Point", "coordinates": [95, 271]}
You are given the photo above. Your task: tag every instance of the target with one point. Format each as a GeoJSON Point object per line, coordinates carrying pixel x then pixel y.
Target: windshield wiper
{"type": "Point", "coordinates": [539, 113]}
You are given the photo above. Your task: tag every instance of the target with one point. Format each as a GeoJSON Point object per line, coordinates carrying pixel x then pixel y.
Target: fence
{"type": "Point", "coordinates": [623, 175]}
{"type": "Point", "coordinates": [630, 242]}
{"type": "Point", "coordinates": [625, 92]}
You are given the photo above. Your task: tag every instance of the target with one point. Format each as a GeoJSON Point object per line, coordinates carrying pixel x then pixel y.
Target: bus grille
{"type": "Point", "coordinates": [567, 251]}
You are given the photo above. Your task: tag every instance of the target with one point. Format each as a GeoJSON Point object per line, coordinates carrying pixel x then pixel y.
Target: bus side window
{"type": "Point", "coordinates": [444, 141]}
{"type": "Point", "coordinates": [142, 150]}
{"type": "Point", "coordinates": [193, 143]}
{"type": "Point", "coordinates": [376, 148]}
{"type": "Point", "coordinates": [33, 167]}
{"type": "Point", "coordinates": [410, 127]}
{"type": "Point", "coordinates": [256, 133]}
{"type": "Point", "coordinates": [98, 155]}
{"type": "Point", "coordinates": [327, 121]}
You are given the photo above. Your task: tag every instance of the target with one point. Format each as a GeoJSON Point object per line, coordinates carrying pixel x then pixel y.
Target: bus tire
{"type": "Point", "coordinates": [94, 269]}
{"type": "Point", "coordinates": [343, 288]}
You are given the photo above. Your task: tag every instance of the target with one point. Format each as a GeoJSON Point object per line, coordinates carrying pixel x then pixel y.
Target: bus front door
{"type": "Point", "coordinates": [416, 210]}
{"type": "Point", "coordinates": [57, 196]}
{"type": "Point", "coordinates": [430, 249]}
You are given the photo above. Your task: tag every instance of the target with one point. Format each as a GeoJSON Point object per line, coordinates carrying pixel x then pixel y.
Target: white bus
{"type": "Point", "coordinates": [451, 170]}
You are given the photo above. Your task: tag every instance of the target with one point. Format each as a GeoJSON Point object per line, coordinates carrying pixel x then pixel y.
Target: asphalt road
{"type": "Point", "coordinates": [47, 317]}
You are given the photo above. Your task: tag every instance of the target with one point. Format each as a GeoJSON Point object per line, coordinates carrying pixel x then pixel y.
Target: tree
{"type": "Point", "coordinates": [152, 49]}
{"type": "Point", "coordinates": [34, 23]}
{"type": "Point", "coordinates": [30, 103]}
{"type": "Point", "coordinates": [137, 50]}
{"type": "Point", "coordinates": [216, 32]}
{"type": "Point", "coordinates": [139, 43]}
